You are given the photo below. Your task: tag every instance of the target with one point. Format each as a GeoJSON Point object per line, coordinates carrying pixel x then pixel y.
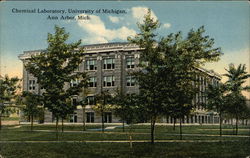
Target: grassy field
{"type": "Point", "coordinates": [226, 146]}
{"type": "Point", "coordinates": [123, 150]}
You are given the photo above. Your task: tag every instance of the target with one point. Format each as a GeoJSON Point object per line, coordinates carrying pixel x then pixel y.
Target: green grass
{"type": "Point", "coordinates": [228, 147]}
{"type": "Point", "coordinates": [123, 150]}
{"type": "Point", "coordinates": [52, 127]}
{"type": "Point", "coordinates": [10, 118]}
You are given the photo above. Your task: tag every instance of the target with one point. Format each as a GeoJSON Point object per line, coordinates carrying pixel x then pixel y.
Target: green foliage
{"type": "Point", "coordinates": [236, 101]}
{"type": "Point", "coordinates": [103, 102]}
{"type": "Point", "coordinates": [124, 106]}
{"type": "Point", "coordinates": [55, 68]}
{"type": "Point", "coordinates": [8, 89]}
{"type": "Point", "coordinates": [168, 68]}
{"type": "Point", "coordinates": [216, 98]}
{"type": "Point", "coordinates": [236, 78]}
{"type": "Point", "coordinates": [33, 105]}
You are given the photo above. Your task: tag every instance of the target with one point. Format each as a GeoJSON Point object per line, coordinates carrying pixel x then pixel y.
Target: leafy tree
{"type": "Point", "coordinates": [8, 88]}
{"type": "Point", "coordinates": [32, 106]}
{"type": "Point", "coordinates": [55, 69]}
{"type": "Point", "coordinates": [245, 115]}
{"type": "Point", "coordinates": [148, 76]}
{"type": "Point", "coordinates": [182, 59]}
{"type": "Point", "coordinates": [83, 102]}
{"type": "Point", "coordinates": [124, 107]}
{"type": "Point", "coordinates": [168, 69]}
{"type": "Point", "coordinates": [103, 104]}
{"type": "Point", "coordinates": [237, 76]}
{"type": "Point", "coordinates": [217, 100]}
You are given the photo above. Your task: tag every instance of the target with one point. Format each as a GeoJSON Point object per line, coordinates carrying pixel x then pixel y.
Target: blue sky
{"type": "Point", "coordinates": [227, 22]}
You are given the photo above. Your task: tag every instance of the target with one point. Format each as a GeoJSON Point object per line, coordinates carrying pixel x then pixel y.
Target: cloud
{"type": "Point", "coordinates": [114, 19]}
{"type": "Point", "coordinates": [139, 12]}
{"type": "Point", "coordinates": [166, 25]}
{"type": "Point", "coordinates": [98, 33]}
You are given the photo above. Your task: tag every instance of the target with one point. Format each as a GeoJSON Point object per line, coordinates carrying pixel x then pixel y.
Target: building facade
{"type": "Point", "coordinates": [109, 66]}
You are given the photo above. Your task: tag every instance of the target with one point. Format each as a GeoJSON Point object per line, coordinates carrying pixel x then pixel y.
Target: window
{"type": "Point", "coordinates": [73, 117]}
{"type": "Point", "coordinates": [91, 100]}
{"type": "Point", "coordinates": [130, 81]}
{"type": "Point", "coordinates": [108, 117]}
{"type": "Point", "coordinates": [130, 62]}
{"type": "Point", "coordinates": [92, 82]}
{"type": "Point", "coordinates": [109, 63]}
{"type": "Point", "coordinates": [74, 83]}
{"type": "Point", "coordinates": [32, 85]}
{"type": "Point", "coordinates": [109, 81]}
{"type": "Point", "coordinates": [91, 64]}
{"type": "Point", "coordinates": [90, 117]}
{"type": "Point", "coordinates": [74, 101]}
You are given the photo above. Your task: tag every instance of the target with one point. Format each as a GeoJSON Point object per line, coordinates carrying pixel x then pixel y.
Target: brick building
{"type": "Point", "coordinates": [108, 66]}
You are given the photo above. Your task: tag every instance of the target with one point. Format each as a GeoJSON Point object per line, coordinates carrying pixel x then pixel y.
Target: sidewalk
{"type": "Point", "coordinates": [124, 141]}
{"type": "Point", "coordinates": [108, 131]}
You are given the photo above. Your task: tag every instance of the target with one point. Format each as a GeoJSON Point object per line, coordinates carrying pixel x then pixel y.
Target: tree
{"type": "Point", "coordinates": [236, 78]}
{"type": "Point", "coordinates": [148, 77]}
{"type": "Point", "coordinates": [55, 69]}
{"type": "Point", "coordinates": [245, 115]}
{"type": "Point", "coordinates": [33, 106]}
{"type": "Point", "coordinates": [124, 107]}
{"type": "Point", "coordinates": [168, 69]}
{"type": "Point", "coordinates": [182, 59]}
{"type": "Point", "coordinates": [83, 102]}
{"type": "Point", "coordinates": [217, 100]}
{"type": "Point", "coordinates": [103, 104]}
{"type": "Point", "coordinates": [8, 88]}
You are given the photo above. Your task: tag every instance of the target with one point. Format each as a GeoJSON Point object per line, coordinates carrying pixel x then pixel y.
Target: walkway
{"type": "Point", "coordinates": [123, 141]}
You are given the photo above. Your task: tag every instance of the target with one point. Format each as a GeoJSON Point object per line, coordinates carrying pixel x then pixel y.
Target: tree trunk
{"type": "Point", "coordinates": [102, 123]}
{"type": "Point", "coordinates": [180, 128]}
{"type": "Point", "coordinates": [220, 125]}
{"type": "Point", "coordinates": [242, 122]}
{"type": "Point", "coordinates": [174, 123]}
{"type": "Point", "coordinates": [57, 128]}
{"type": "Point", "coordinates": [152, 129]}
{"type": "Point", "coordinates": [62, 125]}
{"type": "Point", "coordinates": [123, 126]}
{"type": "Point", "coordinates": [31, 123]}
{"type": "Point", "coordinates": [236, 130]}
{"type": "Point", "coordinates": [0, 121]}
{"type": "Point", "coordinates": [83, 119]}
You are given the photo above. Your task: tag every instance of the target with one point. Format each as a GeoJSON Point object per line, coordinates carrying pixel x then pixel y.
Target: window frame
{"type": "Point", "coordinates": [130, 62]}
{"type": "Point", "coordinates": [32, 84]}
{"type": "Point", "coordinates": [109, 63]}
{"type": "Point", "coordinates": [90, 117]}
{"type": "Point", "coordinates": [89, 66]}
{"type": "Point", "coordinates": [108, 81]}
{"type": "Point", "coordinates": [130, 81]}
{"type": "Point", "coordinates": [93, 84]}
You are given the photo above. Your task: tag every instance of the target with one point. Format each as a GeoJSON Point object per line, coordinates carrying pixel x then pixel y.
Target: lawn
{"type": "Point", "coordinates": [123, 150]}
{"type": "Point", "coordinates": [226, 146]}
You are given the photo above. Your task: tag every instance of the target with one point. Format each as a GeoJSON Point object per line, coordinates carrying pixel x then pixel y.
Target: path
{"type": "Point", "coordinates": [123, 141]}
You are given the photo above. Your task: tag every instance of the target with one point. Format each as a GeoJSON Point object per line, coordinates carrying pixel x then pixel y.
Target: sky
{"type": "Point", "coordinates": [227, 22]}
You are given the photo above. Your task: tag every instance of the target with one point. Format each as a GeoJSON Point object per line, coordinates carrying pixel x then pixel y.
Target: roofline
{"type": "Point", "coordinates": [116, 44]}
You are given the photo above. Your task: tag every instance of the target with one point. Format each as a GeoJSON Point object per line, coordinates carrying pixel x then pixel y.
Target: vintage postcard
{"type": "Point", "coordinates": [113, 78]}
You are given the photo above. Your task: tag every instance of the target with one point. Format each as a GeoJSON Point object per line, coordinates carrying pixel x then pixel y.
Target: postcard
{"type": "Point", "coordinates": [113, 34]}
